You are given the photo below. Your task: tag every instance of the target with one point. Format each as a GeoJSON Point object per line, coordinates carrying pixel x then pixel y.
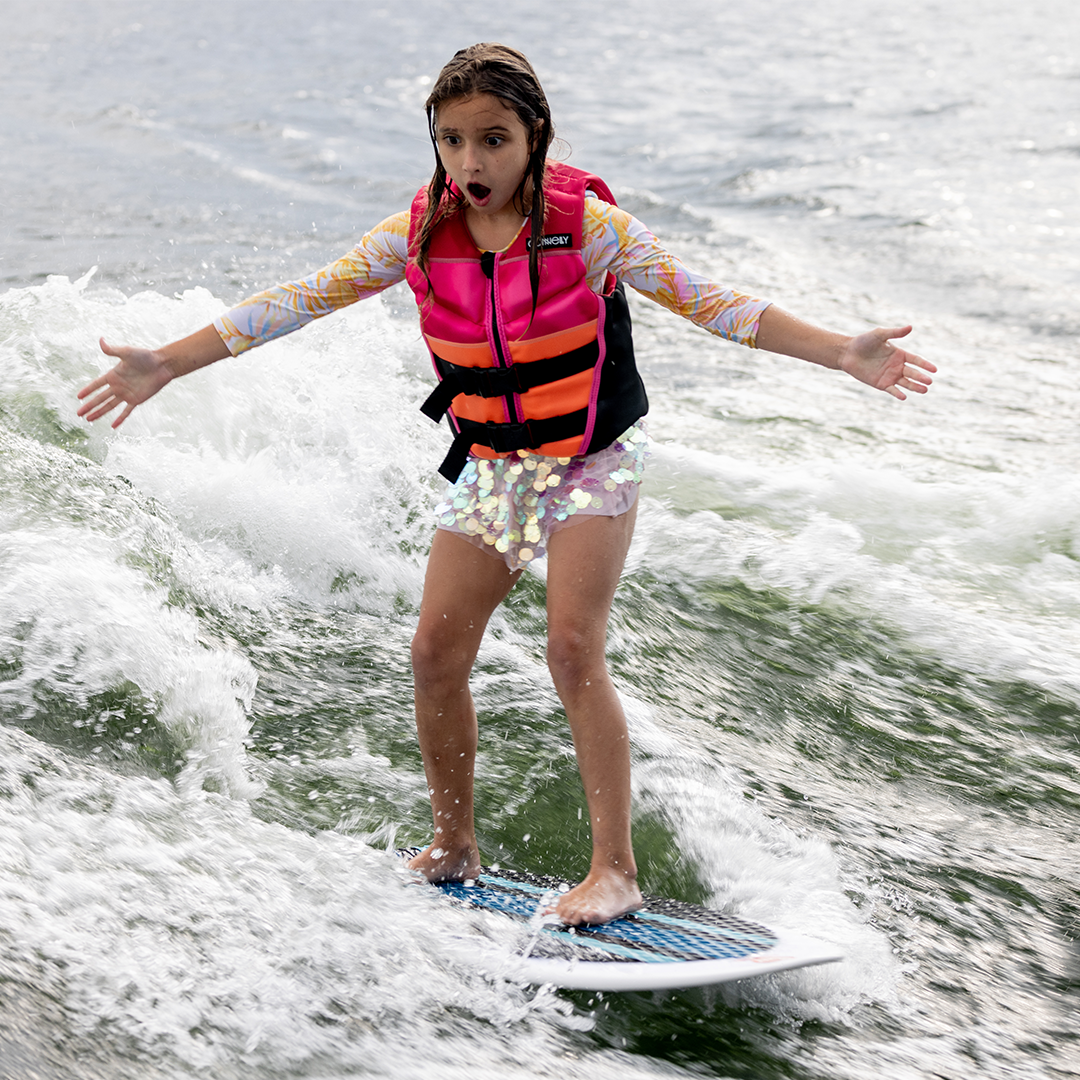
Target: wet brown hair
{"type": "Point", "coordinates": [502, 72]}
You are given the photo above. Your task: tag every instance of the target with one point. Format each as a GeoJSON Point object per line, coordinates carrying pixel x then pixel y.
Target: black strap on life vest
{"type": "Point", "coordinates": [506, 438]}
{"type": "Point", "coordinates": [498, 382]}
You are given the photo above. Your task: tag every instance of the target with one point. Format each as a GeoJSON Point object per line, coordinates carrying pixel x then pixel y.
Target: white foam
{"type": "Point", "coordinates": [308, 454]}
{"type": "Point", "coordinates": [185, 928]}
{"type": "Point", "coordinates": [981, 572]}
{"type": "Point", "coordinates": [76, 620]}
{"type": "Point", "coordinates": [757, 867]}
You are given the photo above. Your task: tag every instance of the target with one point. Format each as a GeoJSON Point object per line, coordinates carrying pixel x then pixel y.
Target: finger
{"type": "Point", "coordinates": [91, 387]}
{"type": "Point", "coordinates": [912, 378]}
{"type": "Point", "coordinates": [123, 416]}
{"type": "Point", "coordinates": [900, 331]}
{"type": "Point", "coordinates": [94, 403]}
{"type": "Point", "coordinates": [918, 361]}
{"type": "Point", "coordinates": [109, 350]}
{"type": "Point", "coordinates": [915, 367]}
{"type": "Point", "coordinates": [107, 405]}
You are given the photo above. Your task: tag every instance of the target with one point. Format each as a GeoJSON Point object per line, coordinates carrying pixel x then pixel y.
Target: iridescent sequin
{"type": "Point", "coordinates": [514, 504]}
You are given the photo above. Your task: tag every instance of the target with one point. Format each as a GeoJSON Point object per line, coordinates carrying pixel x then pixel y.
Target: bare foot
{"type": "Point", "coordinates": [604, 895]}
{"type": "Point", "coordinates": [442, 863]}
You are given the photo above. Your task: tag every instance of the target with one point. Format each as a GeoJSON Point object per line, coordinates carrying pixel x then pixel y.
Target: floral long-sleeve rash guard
{"type": "Point", "coordinates": [612, 241]}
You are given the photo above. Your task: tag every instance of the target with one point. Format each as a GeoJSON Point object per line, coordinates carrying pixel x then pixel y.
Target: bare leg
{"type": "Point", "coordinates": [463, 586]}
{"type": "Point", "coordinates": [584, 565]}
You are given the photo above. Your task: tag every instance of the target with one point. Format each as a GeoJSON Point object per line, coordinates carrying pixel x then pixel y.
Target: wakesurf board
{"type": "Point", "coordinates": [665, 945]}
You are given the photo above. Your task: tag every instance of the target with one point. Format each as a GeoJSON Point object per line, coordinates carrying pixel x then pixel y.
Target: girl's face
{"type": "Point", "coordinates": [485, 150]}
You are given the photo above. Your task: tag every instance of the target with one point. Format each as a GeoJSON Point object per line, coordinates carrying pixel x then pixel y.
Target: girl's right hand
{"type": "Point", "coordinates": [138, 376]}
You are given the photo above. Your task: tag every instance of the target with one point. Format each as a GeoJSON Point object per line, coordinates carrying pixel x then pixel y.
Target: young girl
{"type": "Point", "coordinates": [514, 261]}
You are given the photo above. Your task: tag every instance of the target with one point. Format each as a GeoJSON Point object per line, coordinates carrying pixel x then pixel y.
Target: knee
{"type": "Point", "coordinates": [574, 655]}
{"type": "Point", "coordinates": [436, 663]}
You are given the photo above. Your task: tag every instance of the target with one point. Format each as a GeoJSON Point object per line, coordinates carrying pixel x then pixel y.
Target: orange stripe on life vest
{"type": "Point", "coordinates": [562, 448]}
{"type": "Point", "coordinates": [482, 410]}
{"type": "Point", "coordinates": [562, 341]}
{"type": "Point", "coordinates": [476, 354]}
{"type": "Point", "coordinates": [554, 399]}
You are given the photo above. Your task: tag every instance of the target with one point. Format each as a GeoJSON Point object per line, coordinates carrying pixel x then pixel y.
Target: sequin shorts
{"type": "Point", "coordinates": [510, 506]}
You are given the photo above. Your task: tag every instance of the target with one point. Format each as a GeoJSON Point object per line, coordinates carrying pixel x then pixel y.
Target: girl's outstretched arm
{"type": "Point", "coordinates": [141, 373]}
{"type": "Point", "coordinates": [871, 358]}
{"type": "Point", "coordinates": [614, 241]}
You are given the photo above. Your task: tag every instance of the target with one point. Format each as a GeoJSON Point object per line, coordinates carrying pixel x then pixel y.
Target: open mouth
{"type": "Point", "coordinates": [479, 192]}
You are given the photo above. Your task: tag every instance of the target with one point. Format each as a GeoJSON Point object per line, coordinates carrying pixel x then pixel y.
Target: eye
{"type": "Point", "coordinates": [494, 140]}
{"type": "Point", "coordinates": [452, 140]}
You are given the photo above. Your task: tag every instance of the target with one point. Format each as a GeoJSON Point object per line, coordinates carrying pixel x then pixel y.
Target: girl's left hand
{"type": "Point", "coordinates": [872, 358]}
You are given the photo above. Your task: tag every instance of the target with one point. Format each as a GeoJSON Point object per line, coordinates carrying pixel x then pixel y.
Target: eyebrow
{"type": "Point", "coordinates": [493, 129]}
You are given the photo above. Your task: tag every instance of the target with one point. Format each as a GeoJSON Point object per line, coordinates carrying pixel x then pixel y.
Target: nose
{"type": "Point", "coordinates": [470, 160]}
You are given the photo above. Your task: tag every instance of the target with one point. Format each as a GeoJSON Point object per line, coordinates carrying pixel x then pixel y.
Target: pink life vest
{"type": "Point", "coordinates": [558, 381]}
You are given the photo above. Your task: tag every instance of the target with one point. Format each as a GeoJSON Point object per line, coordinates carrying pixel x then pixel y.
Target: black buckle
{"type": "Point", "coordinates": [484, 382]}
{"type": "Point", "coordinates": [492, 382]}
{"type": "Point", "coordinates": [502, 438]}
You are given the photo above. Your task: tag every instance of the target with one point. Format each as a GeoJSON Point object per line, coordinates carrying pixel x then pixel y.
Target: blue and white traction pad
{"type": "Point", "coordinates": [660, 931]}
{"type": "Point", "coordinates": [664, 944]}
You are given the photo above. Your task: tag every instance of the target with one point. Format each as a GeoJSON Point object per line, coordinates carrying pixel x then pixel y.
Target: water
{"type": "Point", "coordinates": [847, 636]}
